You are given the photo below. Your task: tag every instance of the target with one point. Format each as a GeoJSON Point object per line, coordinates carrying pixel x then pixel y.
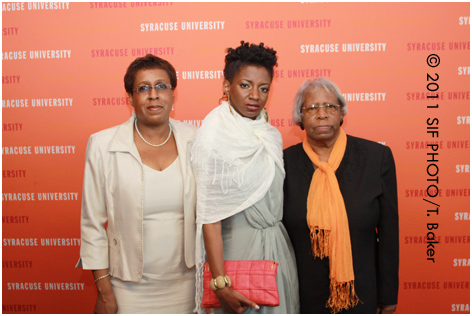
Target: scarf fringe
{"type": "Point", "coordinates": [342, 296]}
{"type": "Point", "coordinates": [320, 242]}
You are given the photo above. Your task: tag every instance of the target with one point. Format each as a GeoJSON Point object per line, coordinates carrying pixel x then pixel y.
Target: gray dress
{"type": "Point", "coordinates": [257, 233]}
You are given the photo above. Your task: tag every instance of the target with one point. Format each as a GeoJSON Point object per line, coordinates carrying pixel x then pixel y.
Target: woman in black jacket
{"type": "Point", "coordinates": [343, 218]}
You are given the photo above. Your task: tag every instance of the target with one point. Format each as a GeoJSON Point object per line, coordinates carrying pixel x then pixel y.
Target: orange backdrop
{"type": "Point", "coordinates": [63, 67]}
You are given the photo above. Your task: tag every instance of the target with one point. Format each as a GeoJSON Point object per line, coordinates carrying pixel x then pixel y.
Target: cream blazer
{"type": "Point", "coordinates": [113, 192]}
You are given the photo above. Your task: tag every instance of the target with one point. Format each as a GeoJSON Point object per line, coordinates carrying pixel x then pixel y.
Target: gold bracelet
{"type": "Point", "coordinates": [102, 277]}
{"type": "Point", "coordinates": [220, 282]}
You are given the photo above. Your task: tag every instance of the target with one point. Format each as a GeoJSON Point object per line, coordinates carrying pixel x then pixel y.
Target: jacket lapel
{"type": "Point", "coordinates": [123, 140]}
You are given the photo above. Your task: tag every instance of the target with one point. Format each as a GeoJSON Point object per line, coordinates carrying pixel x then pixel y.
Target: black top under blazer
{"type": "Point", "coordinates": [367, 181]}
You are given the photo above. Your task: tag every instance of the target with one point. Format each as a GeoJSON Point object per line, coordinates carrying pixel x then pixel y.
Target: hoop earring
{"type": "Point", "coordinates": [266, 115]}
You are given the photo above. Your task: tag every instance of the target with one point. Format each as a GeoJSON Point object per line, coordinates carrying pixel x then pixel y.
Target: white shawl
{"type": "Point", "coordinates": [234, 162]}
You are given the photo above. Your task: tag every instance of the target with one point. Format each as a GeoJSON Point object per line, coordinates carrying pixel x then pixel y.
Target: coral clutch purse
{"type": "Point", "coordinates": [255, 279]}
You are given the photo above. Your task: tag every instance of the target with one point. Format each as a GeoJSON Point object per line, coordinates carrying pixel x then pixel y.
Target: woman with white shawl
{"type": "Point", "coordinates": [238, 166]}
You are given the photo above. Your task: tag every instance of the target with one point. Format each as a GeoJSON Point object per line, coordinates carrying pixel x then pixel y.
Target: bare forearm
{"type": "Point", "coordinates": [214, 248]}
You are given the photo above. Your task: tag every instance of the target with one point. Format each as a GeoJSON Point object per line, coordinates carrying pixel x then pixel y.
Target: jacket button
{"type": "Point", "coordinates": [115, 242]}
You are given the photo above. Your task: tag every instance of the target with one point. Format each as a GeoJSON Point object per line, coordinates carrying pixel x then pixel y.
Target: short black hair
{"type": "Point", "coordinates": [148, 62]}
{"type": "Point", "coordinates": [249, 55]}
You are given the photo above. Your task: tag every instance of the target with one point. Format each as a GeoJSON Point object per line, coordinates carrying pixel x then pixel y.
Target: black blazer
{"type": "Point", "coordinates": [367, 181]}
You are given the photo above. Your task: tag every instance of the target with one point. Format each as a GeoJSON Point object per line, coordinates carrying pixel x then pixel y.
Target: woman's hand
{"type": "Point", "coordinates": [386, 309]}
{"type": "Point", "coordinates": [106, 303]}
{"type": "Point", "coordinates": [106, 300]}
{"type": "Point", "coordinates": [234, 302]}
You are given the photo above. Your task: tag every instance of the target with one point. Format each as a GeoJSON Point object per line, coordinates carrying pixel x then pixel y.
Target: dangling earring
{"type": "Point", "coordinates": [229, 103]}
{"type": "Point", "coordinates": [266, 116]}
{"type": "Point", "coordinates": [227, 96]}
{"type": "Point", "coordinates": [172, 107]}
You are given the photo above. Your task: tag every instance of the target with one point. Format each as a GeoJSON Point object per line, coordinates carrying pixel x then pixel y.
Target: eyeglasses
{"type": "Point", "coordinates": [160, 87]}
{"type": "Point", "coordinates": [315, 108]}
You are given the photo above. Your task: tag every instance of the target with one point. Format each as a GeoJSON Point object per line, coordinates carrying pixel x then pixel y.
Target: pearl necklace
{"type": "Point", "coordinates": [159, 145]}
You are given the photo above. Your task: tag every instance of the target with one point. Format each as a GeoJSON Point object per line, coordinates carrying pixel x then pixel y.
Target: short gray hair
{"type": "Point", "coordinates": [312, 86]}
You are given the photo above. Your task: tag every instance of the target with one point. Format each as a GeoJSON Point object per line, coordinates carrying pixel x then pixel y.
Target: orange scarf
{"type": "Point", "coordinates": [329, 228]}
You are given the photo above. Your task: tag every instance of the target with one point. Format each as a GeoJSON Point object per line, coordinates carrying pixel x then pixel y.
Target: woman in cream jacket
{"type": "Point", "coordinates": [138, 179]}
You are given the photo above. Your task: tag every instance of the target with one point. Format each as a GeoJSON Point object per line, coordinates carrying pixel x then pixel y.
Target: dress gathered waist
{"type": "Point", "coordinates": [276, 224]}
